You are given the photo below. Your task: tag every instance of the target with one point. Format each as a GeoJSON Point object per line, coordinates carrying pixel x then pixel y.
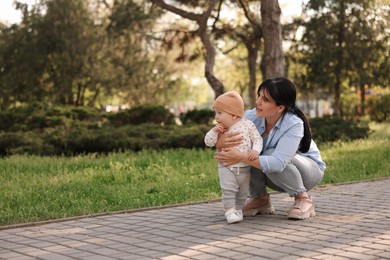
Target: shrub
{"type": "Point", "coordinates": [59, 130]}
{"type": "Point", "coordinates": [24, 143]}
{"type": "Point", "coordinates": [188, 137]}
{"type": "Point", "coordinates": [82, 140]}
{"type": "Point", "coordinates": [379, 108]}
{"type": "Point", "coordinates": [141, 115]}
{"type": "Point", "coordinates": [201, 116]}
{"type": "Point", "coordinates": [15, 119]}
{"type": "Point", "coordinates": [41, 116]}
{"type": "Point", "coordinates": [333, 128]}
{"type": "Point", "coordinates": [84, 113]}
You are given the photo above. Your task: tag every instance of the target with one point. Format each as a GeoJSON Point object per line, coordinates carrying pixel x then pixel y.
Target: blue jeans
{"type": "Point", "coordinates": [300, 175]}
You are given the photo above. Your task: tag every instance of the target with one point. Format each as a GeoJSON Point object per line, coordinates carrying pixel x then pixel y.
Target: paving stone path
{"type": "Point", "coordinates": [352, 222]}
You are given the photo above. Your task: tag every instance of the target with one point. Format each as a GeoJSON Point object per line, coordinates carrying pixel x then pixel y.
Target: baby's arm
{"type": "Point", "coordinates": [219, 128]}
{"type": "Point", "coordinates": [253, 155]}
{"type": "Point", "coordinates": [211, 137]}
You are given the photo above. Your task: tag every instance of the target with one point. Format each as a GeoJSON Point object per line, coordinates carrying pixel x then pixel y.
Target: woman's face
{"type": "Point", "coordinates": [266, 106]}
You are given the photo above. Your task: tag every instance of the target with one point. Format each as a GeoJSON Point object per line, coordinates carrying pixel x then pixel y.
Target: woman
{"type": "Point", "coordinates": [290, 160]}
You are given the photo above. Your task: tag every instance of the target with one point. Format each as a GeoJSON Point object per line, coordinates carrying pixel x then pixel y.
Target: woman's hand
{"type": "Point", "coordinates": [228, 156]}
{"type": "Point", "coordinates": [229, 140]}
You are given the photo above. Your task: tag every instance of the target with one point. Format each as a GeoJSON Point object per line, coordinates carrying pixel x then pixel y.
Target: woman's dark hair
{"type": "Point", "coordinates": [284, 93]}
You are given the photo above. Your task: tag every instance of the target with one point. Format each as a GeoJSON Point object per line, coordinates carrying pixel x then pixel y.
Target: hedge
{"type": "Point", "coordinates": [46, 130]}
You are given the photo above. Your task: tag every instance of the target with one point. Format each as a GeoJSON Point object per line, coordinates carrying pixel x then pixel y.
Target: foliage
{"type": "Point", "coordinates": [58, 187]}
{"type": "Point", "coordinates": [362, 159]}
{"type": "Point", "coordinates": [379, 108]}
{"type": "Point", "coordinates": [51, 55]}
{"type": "Point", "coordinates": [351, 47]}
{"type": "Point", "coordinates": [334, 128]}
{"type": "Point", "coordinates": [197, 116]}
{"type": "Point", "coordinates": [81, 140]}
{"type": "Point", "coordinates": [72, 53]}
{"type": "Point", "coordinates": [37, 188]}
{"type": "Point", "coordinates": [141, 115]}
{"type": "Point", "coordinates": [97, 53]}
{"type": "Point", "coordinates": [145, 75]}
{"type": "Point", "coordinates": [53, 130]}
{"type": "Point", "coordinates": [40, 116]}
{"type": "Point", "coordinates": [350, 102]}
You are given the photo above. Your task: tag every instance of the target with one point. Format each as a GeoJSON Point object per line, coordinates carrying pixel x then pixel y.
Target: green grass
{"type": "Point", "coordinates": [364, 159]}
{"type": "Point", "coordinates": [34, 188]}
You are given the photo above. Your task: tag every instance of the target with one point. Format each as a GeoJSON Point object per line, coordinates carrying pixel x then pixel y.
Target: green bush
{"type": "Point", "coordinates": [82, 140]}
{"type": "Point", "coordinates": [45, 130]}
{"type": "Point", "coordinates": [58, 139]}
{"type": "Point", "coordinates": [201, 116]}
{"type": "Point", "coordinates": [14, 119]}
{"type": "Point", "coordinates": [142, 115]}
{"type": "Point", "coordinates": [24, 143]}
{"type": "Point", "coordinates": [333, 128]}
{"type": "Point", "coordinates": [85, 113]}
{"type": "Point", "coordinates": [379, 108]}
{"type": "Point", "coordinates": [188, 137]}
{"type": "Point", "coordinates": [40, 116]}
{"type": "Point", "coordinates": [9, 141]}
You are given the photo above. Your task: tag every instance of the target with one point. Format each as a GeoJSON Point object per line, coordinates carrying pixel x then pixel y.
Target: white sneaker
{"type": "Point", "coordinates": [233, 216]}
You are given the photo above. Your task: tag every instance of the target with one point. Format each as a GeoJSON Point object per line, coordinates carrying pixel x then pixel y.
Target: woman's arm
{"type": "Point", "coordinates": [229, 156]}
{"type": "Point", "coordinates": [229, 140]}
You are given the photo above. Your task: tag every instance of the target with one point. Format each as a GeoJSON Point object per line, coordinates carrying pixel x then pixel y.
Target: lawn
{"type": "Point", "coordinates": [34, 188]}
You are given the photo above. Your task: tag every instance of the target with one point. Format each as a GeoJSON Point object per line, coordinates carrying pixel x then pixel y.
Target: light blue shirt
{"type": "Point", "coordinates": [283, 140]}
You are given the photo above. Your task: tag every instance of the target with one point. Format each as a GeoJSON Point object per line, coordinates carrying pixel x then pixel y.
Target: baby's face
{"type": "Point", "coordinates": [225, 118]}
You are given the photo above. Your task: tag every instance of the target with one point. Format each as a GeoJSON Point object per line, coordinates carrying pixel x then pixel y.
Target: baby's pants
{"type": "Point", "coordinates": [234, 183]}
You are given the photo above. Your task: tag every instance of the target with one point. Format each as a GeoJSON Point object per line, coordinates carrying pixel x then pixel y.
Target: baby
{"type": "Point", "coordinates": [234, 179]}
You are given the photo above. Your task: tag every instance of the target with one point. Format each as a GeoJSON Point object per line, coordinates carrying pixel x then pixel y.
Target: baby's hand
{"type": "Point", "coordinates": [219, 128]}
{"type": "Point", "coordinates": [253, 155]}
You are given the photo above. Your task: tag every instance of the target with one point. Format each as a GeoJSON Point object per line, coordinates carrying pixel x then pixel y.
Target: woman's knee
{"type": "Point", "coordinates": [309, 170]}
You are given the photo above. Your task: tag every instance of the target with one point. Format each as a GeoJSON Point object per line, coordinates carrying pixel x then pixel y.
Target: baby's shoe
{"type": "Point", "coordinates": [233, 216]}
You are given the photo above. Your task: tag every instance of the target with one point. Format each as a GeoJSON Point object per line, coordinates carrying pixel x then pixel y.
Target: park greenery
{"type": "Point", "coordinates": [132, 52]}
{"type": "Point", "coordinates": [161, 63]}
{"type": "Point", "coordinates": [37, 188]}
{"type": "Point", "coordinates": [47, 130]}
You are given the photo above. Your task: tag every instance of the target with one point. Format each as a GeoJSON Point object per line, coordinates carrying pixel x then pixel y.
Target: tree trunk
{"type": "Point", "coordinates": [213, 81]}
{"type": "Point", "coordinates": [362, 99]}
{"type": "Point", "coordinates": [273, 58]}
{"type": "Point", "coordinates": [252, 57]}
{"type": "Point", "coordinates": [340, 59]}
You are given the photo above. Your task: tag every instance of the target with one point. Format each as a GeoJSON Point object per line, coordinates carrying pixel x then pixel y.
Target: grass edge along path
{"type": "Point", "coordinates": [38, 223]}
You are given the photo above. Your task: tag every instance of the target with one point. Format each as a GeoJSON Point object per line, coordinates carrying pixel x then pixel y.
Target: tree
{"type": "Point", "coordinates": [22, 61]}
{"type": "Point", "coordinates": [202, 30]}
{"type": "Point", "coordinates": [84, 53]}
{"type": "Point", "coordinates": [351, 47]}
{"type": "Point", "coordinates": [145, 74]}
{"type": "Point", "coordinates": [68, 35]}
{"type": "Point", "coordinates": [273, 58]}
{"type": "Point", "coordinates": [249, 34]}
{"type": "Point", "coordinates": [50, 55]}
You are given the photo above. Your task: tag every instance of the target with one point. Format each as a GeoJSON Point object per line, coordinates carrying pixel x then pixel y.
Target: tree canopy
{"type": "Point", "coordinates": [135, 52]}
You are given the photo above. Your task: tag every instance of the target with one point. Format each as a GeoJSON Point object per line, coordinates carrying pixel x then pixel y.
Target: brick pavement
{"type": "Point", "coordinates": [352, 222]}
